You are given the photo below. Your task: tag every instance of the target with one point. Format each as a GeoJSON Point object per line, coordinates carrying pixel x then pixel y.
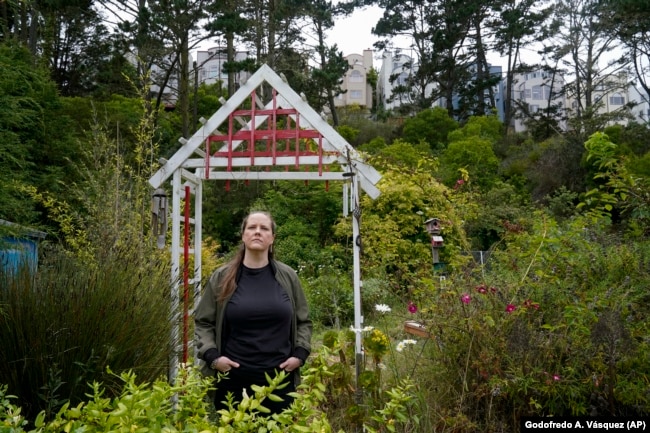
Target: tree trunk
{"type": "Point", "coordinates": [184, 86]}
{"type": "Point", "coordinates": [230, 56]}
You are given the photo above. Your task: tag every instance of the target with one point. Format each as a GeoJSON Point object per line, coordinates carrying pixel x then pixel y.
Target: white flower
{"type": "Point", "coordinates": [402, 344]}
{"type": "Point", "coordinates": [382, 308]}
{"type": "Point", "coordinates": [357, 330]}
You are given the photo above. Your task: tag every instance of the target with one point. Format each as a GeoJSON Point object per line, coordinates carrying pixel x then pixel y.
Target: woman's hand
{"type": "Point", "coordinates": [224, 364]}
{"type": "Point", "coordinates": [291, 364]}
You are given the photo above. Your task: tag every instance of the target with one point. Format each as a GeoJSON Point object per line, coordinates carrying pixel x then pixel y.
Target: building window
{"type": "Point", "coordinates": [533, 108]}
{"type": "Point", "coordinates": [525, 94]}
{"type": "Point", "coordinates": [356, 77]}
{"type": "Point", "coordinates": [537, 93]}
{"type": "Point", "coordinates": [355, 94]}
{"type": "Point", "coordinates": [617, 99]}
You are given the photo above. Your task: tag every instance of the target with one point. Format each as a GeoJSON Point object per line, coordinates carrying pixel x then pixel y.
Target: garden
{"type": "Point", "coordinates": [552, 320]}
{"type": "Point", "coordinates": [553, 324]}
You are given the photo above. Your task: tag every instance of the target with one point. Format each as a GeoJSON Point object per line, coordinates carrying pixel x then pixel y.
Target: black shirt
{"type": "Point", "coordinates": [258, 321]}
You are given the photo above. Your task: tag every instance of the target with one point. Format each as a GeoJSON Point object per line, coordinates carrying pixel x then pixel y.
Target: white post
{"type": "Point", "coordinates": [198, 267]}
{"type": "Point", "coordinates": [175, 282]}
{"type": "Point", "coordinates": [356, 248]}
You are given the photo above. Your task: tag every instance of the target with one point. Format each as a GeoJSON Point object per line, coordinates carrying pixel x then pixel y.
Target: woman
{"type": "Point", "coordinates": [253, 318]}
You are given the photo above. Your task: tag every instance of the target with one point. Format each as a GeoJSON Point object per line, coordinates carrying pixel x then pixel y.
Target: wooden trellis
{"type": "Point", "coordinates": [249, 138]}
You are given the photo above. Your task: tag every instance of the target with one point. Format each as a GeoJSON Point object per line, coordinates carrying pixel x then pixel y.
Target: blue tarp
{"type": "Point", "coordinates": [16, 252]}
{"type": "Point", "coordinates": [19, 247]}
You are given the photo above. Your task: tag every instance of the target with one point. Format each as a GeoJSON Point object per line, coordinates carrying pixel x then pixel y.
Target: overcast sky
{"type": "Point", "coordinates": [353, 34]}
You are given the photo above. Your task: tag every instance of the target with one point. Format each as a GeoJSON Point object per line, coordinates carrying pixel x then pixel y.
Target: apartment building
{"type": "Point", "coordinates": [394, 72]}
{"type": "Point", "coordinates": [210, 66]}
{"type": "Point", "coordinates": [355, 81]}
{"type": "Point", "coordinates": [535, 91]}
{"type": "Point", "coordinates": [617, 94]}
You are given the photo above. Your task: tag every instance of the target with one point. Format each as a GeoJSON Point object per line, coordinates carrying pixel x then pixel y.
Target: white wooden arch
{"type": "Point", "coordinates": [250, 146]}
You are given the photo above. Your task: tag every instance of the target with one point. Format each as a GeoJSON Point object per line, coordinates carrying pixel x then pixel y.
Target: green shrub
{"type": "Point", "coordinates": [558, 326]}
{"type": "Point", "coordinates": [366, 395]}
{"type": "Point", "coordinates": [62, 326]}
{"type": "Point", "coordinates": [330, 297]}
{"type": "Point", "coordinates": [159, 406]}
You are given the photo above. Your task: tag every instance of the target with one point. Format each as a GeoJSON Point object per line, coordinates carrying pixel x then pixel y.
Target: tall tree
{"type": "Point", "coordinates": [439, 31]}
{"type": "Point", "coordinates": [161, 34]}
{"type": "Point", "coordinates": [328, 75]}
{"type": "Point", "coordinates": [36, 146]}
{"type": "Point", "coordinates": [516, 25]}
{"type": "Point", "coordinates": [67, 36]}
{"type": "Point", "coordinates": [630, 20]}
{"type": "Point", "coordinates": [76, 45]}
{"type": "Point", "coordinates": [20, 20]}
{"type": "Point", "coordinates": [585, 46]}
{"type": "Point", "coordinates": [226, 20]}
{"type": "Point", "coordinates": [410, 19]}
{"type": "Point", "coordinates": [477, 95]}
{"type": "Point", "coordinates": [274, 31]}
{"type": "Point", "coordinates": [182, 20]}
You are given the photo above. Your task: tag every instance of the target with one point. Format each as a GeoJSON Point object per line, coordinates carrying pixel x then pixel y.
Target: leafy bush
{"type": "Point", "coordinates": [557, 326]}
{"type": "Point", "coordinates": [159, 406]}
{"type": "Point", "coordinates": [62, 326]}
{"type": "Point", "coordinates": [378, 403]}
{"type": "Point", "coordinates": [330, 297]}
{"type": "Point", "coordinates": [431, 126]}
{"type": "Point", "coordinates": [100, 298]}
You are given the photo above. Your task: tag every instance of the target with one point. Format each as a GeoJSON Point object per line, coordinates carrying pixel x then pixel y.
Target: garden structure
{"type": "Point", "coordinates": [264, 131]}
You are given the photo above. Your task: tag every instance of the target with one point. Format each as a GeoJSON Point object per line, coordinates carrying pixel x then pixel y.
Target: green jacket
{"type": "Point", "coordinates": [209, 314]}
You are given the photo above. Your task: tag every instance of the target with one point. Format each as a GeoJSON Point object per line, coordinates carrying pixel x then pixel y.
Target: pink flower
{"type": "Point", "coordinates": [493, 289]}
{"type": "Point", "coordinates": [510, 308]}
{"type": "Point", "coordinates": [466, 299]}
{"type": "Point", "coordinates": [481, 289]}
{"type": "Point", "coordinates": [556, 377]}
{"type": "Point", "coordinates": [412, 308]}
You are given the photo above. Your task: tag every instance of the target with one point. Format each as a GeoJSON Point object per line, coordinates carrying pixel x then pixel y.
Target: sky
{"type": "Point", "coordinates": [353, 33]}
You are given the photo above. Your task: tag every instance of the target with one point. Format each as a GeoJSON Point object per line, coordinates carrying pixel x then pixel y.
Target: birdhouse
{"type": "Point", "coordinates": [437, 241]}
{"type": "Point", "coordinates": [159, 216]}
{"type": "Point", "coordinates": [433, 226]}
